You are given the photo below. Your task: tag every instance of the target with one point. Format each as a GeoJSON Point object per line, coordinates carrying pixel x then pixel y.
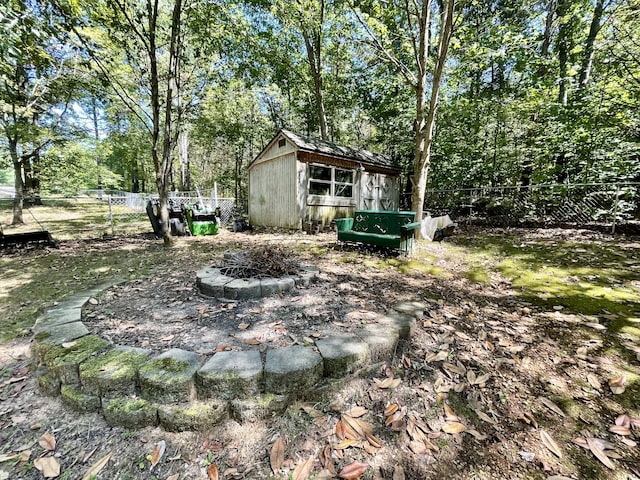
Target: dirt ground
{"type": "Point", "coordinates": [490, 386]}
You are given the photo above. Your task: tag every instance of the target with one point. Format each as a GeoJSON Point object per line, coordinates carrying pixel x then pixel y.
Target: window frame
{"type": "Point", "coordinates": [335, 186]}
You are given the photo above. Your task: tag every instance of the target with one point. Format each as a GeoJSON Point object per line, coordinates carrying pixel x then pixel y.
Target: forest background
{"type": "Point", "coordinates": [159, 95]}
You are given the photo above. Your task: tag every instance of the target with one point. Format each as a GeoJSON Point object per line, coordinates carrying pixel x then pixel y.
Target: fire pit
{"type": "Point", "coordinates": [255, 273]}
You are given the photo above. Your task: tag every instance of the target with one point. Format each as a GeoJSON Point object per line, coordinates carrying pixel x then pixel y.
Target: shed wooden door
{"type": "Point", "coordinates": [379, 192]}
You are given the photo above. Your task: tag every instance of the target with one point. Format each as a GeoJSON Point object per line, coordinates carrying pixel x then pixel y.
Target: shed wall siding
{"type": "Point", "coordinates": [273, 193]}
{"type": "Point", "coordinates": [274, 151]}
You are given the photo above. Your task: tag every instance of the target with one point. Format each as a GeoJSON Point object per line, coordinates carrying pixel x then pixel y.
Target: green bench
{"type": "Point", "coordinates": [381, 228]}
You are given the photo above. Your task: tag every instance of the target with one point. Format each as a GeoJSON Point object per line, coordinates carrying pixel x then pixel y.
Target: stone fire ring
{"type": "Point", "coordinates": [212, 283]}
{"type": "Point", "coordinates": [182, 391]}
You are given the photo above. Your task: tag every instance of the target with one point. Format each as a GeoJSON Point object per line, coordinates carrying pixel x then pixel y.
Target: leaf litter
{"type": "Point", "coordinates": [481, 371]}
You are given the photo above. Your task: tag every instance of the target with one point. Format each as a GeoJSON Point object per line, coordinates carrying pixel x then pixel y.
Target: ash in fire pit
{"type": "Point", "coordinates": [259, 272]}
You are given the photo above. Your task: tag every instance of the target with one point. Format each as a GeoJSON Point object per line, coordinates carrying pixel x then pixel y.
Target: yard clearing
{"type": "Point", "coordinates": [524, 365]}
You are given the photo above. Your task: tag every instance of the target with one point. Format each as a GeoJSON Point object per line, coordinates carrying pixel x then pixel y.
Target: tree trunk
{"type": "Point", "coordinates": [18, 199]}
{"type": "Point", "coordinates": [563, 54]}
{"type": "Point", "coordinates": [425, 128]}
{"type": "Point", "coordinates": [183, 158]}
{"type": "Point", "coordinates": [313, 45]}
{"type": "Point", "coordinates": [589, 50]}
{"type": "Point", "coordinates": [96, 138]}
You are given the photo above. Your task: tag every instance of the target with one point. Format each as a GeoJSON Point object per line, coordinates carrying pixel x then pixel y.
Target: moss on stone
{"type": "Point", "coordinates": [130, 412]}
{"type": "Point", "coordinates": [48, 384]}
{"type": "Point", "coordinates": [199, 416]}
{"type": "Point", "coordinates": [259, 407]}
{"type": "Point", "coordinates": [64, 361]}
{"type": "Point", "coordinates": [168, 380]}
{"type": "Point", "coordinates": [115, 372]}
{"type": "Point", "coordinates": [79, 400]}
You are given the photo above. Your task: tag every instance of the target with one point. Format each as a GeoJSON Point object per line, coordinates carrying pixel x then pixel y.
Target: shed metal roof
{"type": "Point", "coordinates": [324, 147]}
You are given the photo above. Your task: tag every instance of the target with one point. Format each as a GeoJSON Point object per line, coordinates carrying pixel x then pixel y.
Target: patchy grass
{"type": "Point", "coordinates": [585, 277]}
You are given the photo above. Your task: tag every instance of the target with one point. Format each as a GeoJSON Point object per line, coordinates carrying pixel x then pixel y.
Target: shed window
{"type": "Point", "coordinates": [330, 181]}
{"type": "Point", "coordinates": [281, 143]}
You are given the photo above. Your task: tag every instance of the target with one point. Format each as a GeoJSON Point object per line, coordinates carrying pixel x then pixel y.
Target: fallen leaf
{"type": "Point", "coordinates": [175, 476]}
{"type": "Point", "coordinates": [599, 453]}
{"type": "Point", "coordinates": [96, 467]}
{"type": "Point", "coordinates": [373, 441]}
{"type": "Point", "coordinates": [25, 456]}
{"type": "Point", "coordinates": [620, 430]}
{"type": "Point", "coordinates": [551, 406]}
{"type": "Point", "coordinates": [388, 383]}
{"type": "Point", "coordinates": [157, 454]}
{"type": "Point", "coordinates": [356, 412]}
{"type": "Point", "coordinates": [482, 379]}
{"type": "Point", "coordinates": [48, 442]}
{"type": "Point", "coordinates": [471, 377]}
{"type": "Point", "coordinates": [346, 443]}
{"type": "Point", "coordinates": [623, 421]}
{"type": "Point", "coordinates": [276, 457]}
{"type": "Point", "coordinates": [213, 472]}
{"type": "Point", "coordinates": [49, 466]}
{"type": "Point", "coordinates": [442, 355]}
{"type": "Point", "coordinates": [252, 341]}
{"type": "Point", "coordinates": [69, 344]}
{"type": "Point", "coordinates": [325, 459]}
{"type": "Point", "coordinates": [450, 367]}
{"type": "Point", "coordinates": [353, 470]}
{"type": "Point", "coordinates": [303, 470]}
{"type": "Point", "coordinates": [340, 432]}
{"type": "Point", "coordinates": [617, 384]}
{"type": "Point", "coordinates": [484, 417]}
{"type": "Point", "coordinates": [477, 435]}
{"type": "Point", "coordinates": [453, 427]}
{"type": "Point", "coordinates": [550, 443]}
{"type": "Point", "coordinates": [450, 414]}
{"type": "Point", "coordinates": [391, 409]}
{"type": "Point", "coordinates": [243, 326]}
{"type": "Point", "coordinates": [361, 427]}
{"type": "Point", "coordinates": [628, 442]}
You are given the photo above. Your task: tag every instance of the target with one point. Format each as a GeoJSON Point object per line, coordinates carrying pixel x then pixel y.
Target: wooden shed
{"type": "Point", "coordinates": [298, 179]}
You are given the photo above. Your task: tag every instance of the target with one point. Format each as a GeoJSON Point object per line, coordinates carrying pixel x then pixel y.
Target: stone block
{"type": "Point", "coordinates": [130, 412]}
{"type": "Point", "coordinates": [213, 286]}
{"type": "Point", "coordinates": [269, 287]}
{"type": "Point", "coordinates": [415, 309]}
{"type": "Point", "coordinates": [63, 361]}
{"type": "Point", "coordinates": [259, 407]}
{"type": "Point", "coordinates": [115, 373]}
{"type": "Point", "coordinates": [48, 384]}
{"type": "Point", "coordinates": [80, 400]}
{"type": "Point", "coordinates": [293, 369]}
{"type": "Point", "coordinates": [170, 377]}
{"type": "Point", "coordinates": [342, 354]}
{"type": "Point", "coordinates": [382, 341]}
{"type": "Point", "coordinates": [230, 374]}
{"type": "Point", "coordinates": [59, 334]}
{"type": "Point", "coordinates": [55, 317]}
{"type": "Point", "coordinates": [200, 416]}
{"type": "Point", "coordinates": [404, 324]}
{"type": "Point", "coordinates": [242, 289]}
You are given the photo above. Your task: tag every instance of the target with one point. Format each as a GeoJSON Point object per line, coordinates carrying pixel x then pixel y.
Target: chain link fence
{"type": "Point", "coordinates": [100, 213]}
{"type": "Point", "coordinates": [614, 206]}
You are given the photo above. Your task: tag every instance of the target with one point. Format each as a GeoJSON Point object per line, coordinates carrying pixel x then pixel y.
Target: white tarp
{"type": "Point", "coordinates": [431, 224]}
